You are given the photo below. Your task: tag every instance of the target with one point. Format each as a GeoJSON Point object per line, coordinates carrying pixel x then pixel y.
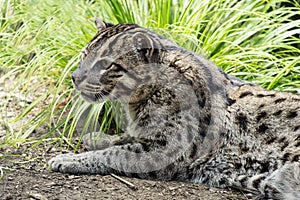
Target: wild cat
{"type": "Point", "coordinates": [187, 120]}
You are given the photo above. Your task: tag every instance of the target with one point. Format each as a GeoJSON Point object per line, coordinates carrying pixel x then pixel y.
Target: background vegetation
{"type": "Point", "coordinates": [41, 40]}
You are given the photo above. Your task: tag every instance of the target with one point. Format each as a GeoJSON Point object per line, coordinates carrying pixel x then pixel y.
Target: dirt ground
{"type": "Point", "coordinates": [24, 173]}
{"type": "Point", "coordinates": [26, 176]}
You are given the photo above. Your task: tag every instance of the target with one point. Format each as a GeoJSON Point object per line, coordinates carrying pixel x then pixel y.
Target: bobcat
{"type": "Point", "coordinates": [187, 120]}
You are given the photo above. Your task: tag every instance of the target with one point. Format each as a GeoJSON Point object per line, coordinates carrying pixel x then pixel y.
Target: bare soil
{"type": "Point", "coordinates": [27, 176]}
{"type": "Point", "coordinates": [24, 173]}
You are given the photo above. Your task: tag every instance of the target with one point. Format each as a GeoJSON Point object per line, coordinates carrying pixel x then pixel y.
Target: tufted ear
{"type": "Point", "coordinates": [101, 24]}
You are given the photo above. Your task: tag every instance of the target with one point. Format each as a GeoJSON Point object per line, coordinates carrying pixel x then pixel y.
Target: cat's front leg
{"type": "Point", "coordinates": [83, 163]}
{"type": "Point", "coordinates": [134, 160]}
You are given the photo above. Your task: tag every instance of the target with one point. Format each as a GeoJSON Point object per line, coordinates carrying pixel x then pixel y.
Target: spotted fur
{"type": "Point", "coordinates": [187, 119]}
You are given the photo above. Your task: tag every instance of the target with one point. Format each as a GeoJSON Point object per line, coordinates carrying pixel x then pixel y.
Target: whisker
{"type": "Point", "coordinates": [98, 96]}
{"type": "Point", "coordinates": [101, 95]}
{"type": "Point", "coordinates": [104, 96]}
{"type": "Point", "coordinates": [114, 96]}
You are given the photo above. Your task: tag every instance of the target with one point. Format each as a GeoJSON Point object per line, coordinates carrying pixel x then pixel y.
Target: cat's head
{"type": "Point", "coordinates": [115, 51]}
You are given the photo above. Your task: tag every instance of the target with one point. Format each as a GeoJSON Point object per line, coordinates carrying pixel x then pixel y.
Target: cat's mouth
{"type": "Point", "coordinates": [95, 97]}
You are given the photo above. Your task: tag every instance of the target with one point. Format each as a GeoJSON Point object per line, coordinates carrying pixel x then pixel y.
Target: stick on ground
{"type": "Point", "coordinates": [130, 185]}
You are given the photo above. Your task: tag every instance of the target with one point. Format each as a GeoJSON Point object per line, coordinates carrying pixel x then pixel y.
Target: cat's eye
{"type": "Point", "coordinates": [102, 65]}
{"type": "Point", "coordinates": [105, 63]}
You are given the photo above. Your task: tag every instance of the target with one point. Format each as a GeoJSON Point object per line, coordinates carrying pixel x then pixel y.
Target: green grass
{"type": "Point", "coordinates": [40, 43]}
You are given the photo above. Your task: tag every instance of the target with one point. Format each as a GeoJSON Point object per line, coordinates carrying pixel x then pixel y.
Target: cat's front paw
{"type": "Point", "coordinates": [65, 163]}
{"type": "Point", "coordinates": [84, 163]}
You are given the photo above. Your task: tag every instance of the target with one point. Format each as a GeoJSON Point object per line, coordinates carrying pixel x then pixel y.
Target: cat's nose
{"type": "Point", "coordinates": [75, 78]}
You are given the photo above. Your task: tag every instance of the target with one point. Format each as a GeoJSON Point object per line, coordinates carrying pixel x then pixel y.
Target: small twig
{"type": "Point", "coordinates": [130, 185]}
{"type": "Point", "coordinates": [244, 189]}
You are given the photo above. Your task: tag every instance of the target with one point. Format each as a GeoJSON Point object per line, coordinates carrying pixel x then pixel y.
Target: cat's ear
{"type": "Point", "coordinates": [142, 41]}
{"type": "Point", "coordinates": [101, 24]}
